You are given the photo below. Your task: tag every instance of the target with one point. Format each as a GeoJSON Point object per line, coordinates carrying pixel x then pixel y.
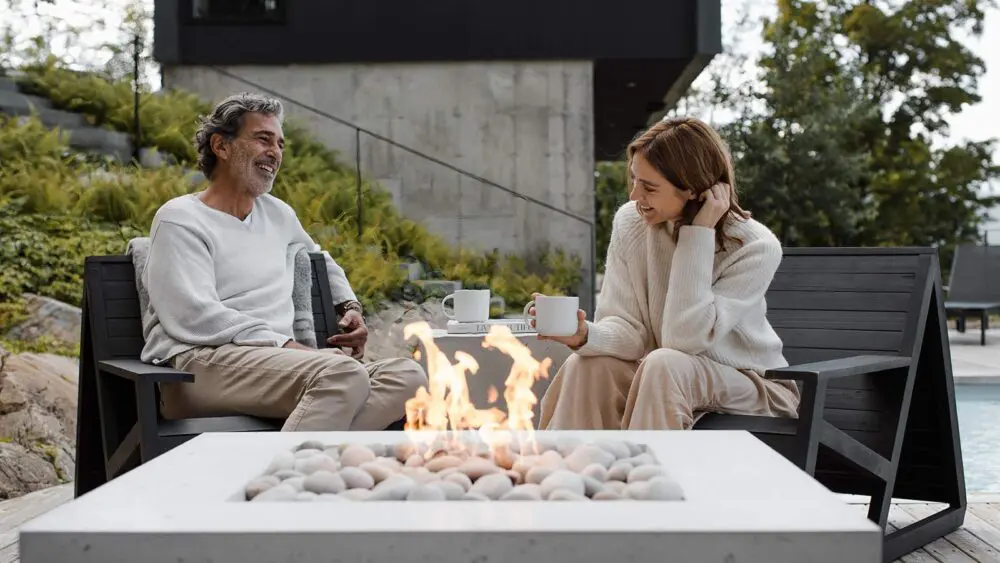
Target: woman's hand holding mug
{"type": "Point", "coordinates": [561, 320]}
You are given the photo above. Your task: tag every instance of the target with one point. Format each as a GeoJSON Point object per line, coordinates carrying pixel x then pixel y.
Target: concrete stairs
{"type": "Point", "coordinates": [81, 136]}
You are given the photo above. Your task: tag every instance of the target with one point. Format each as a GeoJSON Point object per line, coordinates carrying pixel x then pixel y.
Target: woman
{"type": "Point", "coordinates": [680, 328]}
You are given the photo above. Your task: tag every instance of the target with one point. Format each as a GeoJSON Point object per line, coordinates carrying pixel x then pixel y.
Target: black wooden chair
{"type": "Point", "coordinates": [118, 419]}
{"type": "Point", "coordinates": [974, 286]}
{"type": "Point", "coordinates": [866, 336]}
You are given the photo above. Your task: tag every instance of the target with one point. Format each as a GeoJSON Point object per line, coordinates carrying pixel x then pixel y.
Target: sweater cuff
{"type": "Point", "coordinates": [597, 341]}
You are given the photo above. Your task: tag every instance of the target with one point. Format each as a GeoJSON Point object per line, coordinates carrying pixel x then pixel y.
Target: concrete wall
{"type": "Point", "coordinates": [527, 126]}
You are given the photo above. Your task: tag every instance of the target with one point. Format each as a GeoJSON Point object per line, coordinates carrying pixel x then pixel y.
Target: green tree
{"type": "Point", "coordinates": [906, 59]}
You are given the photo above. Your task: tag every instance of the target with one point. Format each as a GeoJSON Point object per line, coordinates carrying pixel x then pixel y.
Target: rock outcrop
{"type": "Point", "coordinates": [38, 395]}
{"type": "Point", "coordinates": [48, 318]}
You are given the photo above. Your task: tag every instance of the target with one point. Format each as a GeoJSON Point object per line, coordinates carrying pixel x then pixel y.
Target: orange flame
{"type": "Point", "coordinates": [444, 405]}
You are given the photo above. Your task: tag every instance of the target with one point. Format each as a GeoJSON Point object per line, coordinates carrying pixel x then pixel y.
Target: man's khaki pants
{"type": "Point", "coordinates": [667, 390]}
{"type": "Point", "coordinates": [323, 390]}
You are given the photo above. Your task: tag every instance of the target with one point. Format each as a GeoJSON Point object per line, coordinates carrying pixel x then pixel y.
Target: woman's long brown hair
{"type": "Point", "coordinates": [693, 157]}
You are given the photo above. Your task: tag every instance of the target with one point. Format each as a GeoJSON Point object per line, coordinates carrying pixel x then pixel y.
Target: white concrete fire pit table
{"type": "Point", "coordinates": [743, 503]}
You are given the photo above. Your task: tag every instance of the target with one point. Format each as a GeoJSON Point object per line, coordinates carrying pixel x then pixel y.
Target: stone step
{"type": "Point", "coordinates": [15, 104]}
{"type": "Point", "coordinates": [100, 141]}
{"type": "Point", "coordinates": [7, 85]}
{"type": "Point", "coordinates": [8, 97]}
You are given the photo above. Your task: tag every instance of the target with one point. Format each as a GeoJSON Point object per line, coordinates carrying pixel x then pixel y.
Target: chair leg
{"type": "Point", "coordinates": [922, 532]}
{"type": "Point", "coordinates": [983, 320]}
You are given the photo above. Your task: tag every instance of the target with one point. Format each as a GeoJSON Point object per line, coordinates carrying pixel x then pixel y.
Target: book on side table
{"type": "Point", "coordinates": [516, 326]}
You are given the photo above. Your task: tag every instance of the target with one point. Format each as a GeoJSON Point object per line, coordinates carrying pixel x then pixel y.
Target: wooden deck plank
{"type": "Point", "coordinates": [898, 519]}
{"type": "Point", "coordinates": [962, 539]}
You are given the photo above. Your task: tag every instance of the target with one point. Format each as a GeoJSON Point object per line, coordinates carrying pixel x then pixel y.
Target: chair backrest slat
{"type": "Point", "coordinates": [975, 274]}
{"type": "Point", "coordinates": [835, 303]}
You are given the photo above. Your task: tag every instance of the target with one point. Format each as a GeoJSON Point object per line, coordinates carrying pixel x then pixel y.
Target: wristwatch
{"type": "Point", "coordinates": [350, 306]}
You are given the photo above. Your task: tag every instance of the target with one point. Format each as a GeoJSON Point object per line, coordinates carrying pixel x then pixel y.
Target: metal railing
{"type": "Point", "coordinates": [481, 207]}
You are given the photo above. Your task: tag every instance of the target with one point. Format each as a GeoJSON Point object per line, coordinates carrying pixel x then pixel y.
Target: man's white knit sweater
{"type": "Point", "coordinates": [214, 279]}
{"type": "Point", "coordinates": [686, 296]}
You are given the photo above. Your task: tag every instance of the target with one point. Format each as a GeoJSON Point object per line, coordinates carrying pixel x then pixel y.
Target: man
{"type": "Point", "coordinates": [220, 278]}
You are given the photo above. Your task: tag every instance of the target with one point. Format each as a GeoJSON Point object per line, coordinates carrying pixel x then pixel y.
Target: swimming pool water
{"type": "Point", "coordinates": [979, 428]}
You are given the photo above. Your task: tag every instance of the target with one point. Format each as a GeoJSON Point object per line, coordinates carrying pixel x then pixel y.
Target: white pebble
{"type": "Point", "coordinates": [595, 471]}
{"type": "Point", "coordinates": [664, 488]}
{"type": "Point", "coordinates": [307, 452]}
{"type": "Point", "coordinates": [312, 445]}
{"type": "Point", "coordinates": [326, 497]}
{"type": "Point", "coordinates": [642, 459]}
{"type": "Point", "coordinates": [476, 467]}
{"type": "Point", "coordinates": [538, 474]}
{"type": "Point", "coordinates": [297, 483]}
{"type": "Point", "coordinates": [566, 444]}
{"type": "Point", "coordinates": [354, 456]}
{"type": "Point", "coordinates": [334, 453]}
{"type": "Point", "coordinates": [619, 471]}
{"type": "Point", "coordinates": [524, 492]}
{"type": "Point", "coordinates": [315, 463]}
{"type": "Point", "coordinates": [403, 450]}
{"type": "Point", "coordinates": [588, 455]}
{"type": "Point", "coordinates": [306, 496]}
{"type": "Point", "coordinates": [356, 494]}
{"type": "Point", "coordinates": [451, 490]}
{"type": "Point", "coordinates": [591, 486]}
{"type": "Point", "coordinates": [396, 487]}
{"type": "Point", "coordinates": [633, 448]}
{"type": "Point", "coordinates": [562, 479]}
{"type": "Point", "coordinates": [460, 479]}
{"type": "Point", "coordinates": [288, 474]}
{"type": "Point", "coordinates": [324, 481]}
{"type": "Point", "coordinates": [493, 486]}
{"type": "Point", "coordinates": [281, 493]}
{"type": "Point", "coordinates": [283, 460]}
{"type": "Point", "coordinates": [357, 478]}
{"type": "Point", "coordinates": [563, 494]}
{"type": "Point", "coordinates": [378, 471]}
{"type": "Point", "coordinates": [424, 492]}
{"type": "Point", "coordinates": [617, 487]}
{"type": "Point", "coordinates": [645, 473]}
{"type": "Point", "coordinates": [378, 449]}
{"type": "Point", "coordinates": [443, 462]}
{"type": "Point", "coordinates": [615, 448]}
{"type": "Point", "coordinates": [552, 459]}
{"type": "Point", "coordinates": [260, 484]}
{"type": "Point", "coordinates": [474, 496]}
{"type": "Point", "coordinates": [415, 460]}
{"type": "Point", "coordinates": [607, 495]}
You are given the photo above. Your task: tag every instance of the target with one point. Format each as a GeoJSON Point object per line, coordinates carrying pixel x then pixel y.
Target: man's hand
{"type": "Point", "coordinates": [355, 334]}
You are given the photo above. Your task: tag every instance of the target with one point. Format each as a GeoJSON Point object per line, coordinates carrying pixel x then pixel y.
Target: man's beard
{"type": "Point", "coordinates": [254, 179]}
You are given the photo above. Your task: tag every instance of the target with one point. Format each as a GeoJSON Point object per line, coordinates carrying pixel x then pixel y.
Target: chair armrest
{"type": "Point", "coordinates": [135, 370]}
{"type": "Point", "coordinates": [841, 367]}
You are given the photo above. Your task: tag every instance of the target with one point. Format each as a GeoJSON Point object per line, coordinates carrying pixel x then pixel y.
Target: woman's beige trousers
{"type": "Point", "coordinates": [666, 390]}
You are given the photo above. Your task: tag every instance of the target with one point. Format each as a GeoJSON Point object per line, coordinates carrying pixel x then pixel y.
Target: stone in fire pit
{"type": "Point", "coordinates": [464, 467]}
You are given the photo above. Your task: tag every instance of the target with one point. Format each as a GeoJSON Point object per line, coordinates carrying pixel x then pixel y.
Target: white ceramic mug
{"type": "Point", "coordinates": [554, 315]}
{"type": "Point", "coordinates": [470, 305]}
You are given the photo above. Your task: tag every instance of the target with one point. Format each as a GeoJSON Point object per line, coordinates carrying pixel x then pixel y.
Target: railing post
{"type": "Point", "coordinates": [593, 272]}
{"type": "Point", "coordinates": [357, 164]}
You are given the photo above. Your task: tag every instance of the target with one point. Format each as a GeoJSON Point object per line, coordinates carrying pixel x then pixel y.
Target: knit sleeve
{"type": "Point", "coordinates": [698, 312]}
{"type": "Point", "coordinates": [617, 329]}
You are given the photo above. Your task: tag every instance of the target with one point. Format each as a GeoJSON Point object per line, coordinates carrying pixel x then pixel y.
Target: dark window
{"type": "Point", "coordinates": [238, 11]}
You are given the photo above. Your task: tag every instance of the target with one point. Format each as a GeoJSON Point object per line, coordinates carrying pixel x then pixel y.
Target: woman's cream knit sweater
{"type": "Point", "coordinates": [686, 296]}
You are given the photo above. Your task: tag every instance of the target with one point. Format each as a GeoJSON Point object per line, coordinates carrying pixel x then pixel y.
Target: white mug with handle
{"type": "Point", "coordinates": [470, 305]}
{"type": "Point", "coordinates": [554, 315]}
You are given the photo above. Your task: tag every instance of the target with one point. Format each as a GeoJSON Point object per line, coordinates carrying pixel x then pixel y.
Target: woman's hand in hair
{"type": "Point", "coordinates": [715, 204]}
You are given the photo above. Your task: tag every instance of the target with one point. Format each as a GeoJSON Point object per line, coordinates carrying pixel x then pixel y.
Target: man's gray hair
{"type": "Point", "coordinates": [226, 120]}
